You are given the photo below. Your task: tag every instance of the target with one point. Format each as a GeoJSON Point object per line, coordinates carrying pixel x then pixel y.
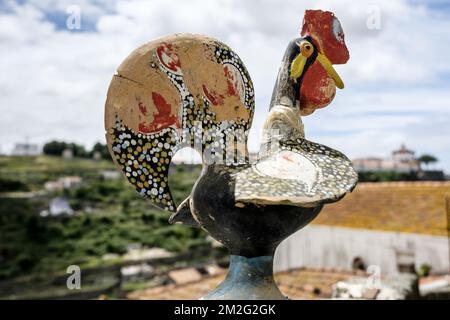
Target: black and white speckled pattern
{"type": "Point", "coordinates": [335, 177]}
{"type": "Point", "coordinates": [145, 160]}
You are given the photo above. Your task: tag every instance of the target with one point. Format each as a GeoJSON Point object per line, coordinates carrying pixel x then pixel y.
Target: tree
{"type": "Point", "coordinates": [427, 159]}
{"type": "Point", "coordinates": [78, 150]}
{"type": "Point", "coordinates": [102, 149]}
{"type": "Point", "coordinates": [54, 148]}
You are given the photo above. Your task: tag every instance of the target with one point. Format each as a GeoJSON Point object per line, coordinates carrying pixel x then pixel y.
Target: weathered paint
{"type": "Point", "coordinates": [181, 81]}
{"type": "Point", "coordinates": [318, 88]}
{"type": "Point", "coordinates": [252, 230]}
{"type": "Point", "coordinates": [314, 174]}
{"type": "Point", "coordinates": [248, 279]}
{"type": "Point", "coordinates": [178, 91]}
{"type": "Point", "coordinates": [162, 116]}
{"type": "Point", "coordinates": [327, 34]}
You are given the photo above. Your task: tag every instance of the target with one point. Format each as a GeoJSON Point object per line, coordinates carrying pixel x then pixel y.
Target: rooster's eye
{"type": "Point", "coordinates": [306, 48]}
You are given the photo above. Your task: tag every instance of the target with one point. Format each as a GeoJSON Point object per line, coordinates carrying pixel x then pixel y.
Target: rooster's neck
{"type": "Point", "coordinates": [286, 89]}
{"type": "Point", "coordinates": [284, 122]}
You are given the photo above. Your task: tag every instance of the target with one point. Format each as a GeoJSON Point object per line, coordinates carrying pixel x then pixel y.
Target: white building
{"type": "Point", "coordinates": [59, 206]}
{"type": "Point", "coordinates": [110, 174]}
{"type": "Point", "coordinates": [26, 149]}
{"type": "Point", "coordinates": [401, 160]}
{"type": "Point", "coordinates": [62, 183]}
{"type": "Point", "coordinates": [67, 153]}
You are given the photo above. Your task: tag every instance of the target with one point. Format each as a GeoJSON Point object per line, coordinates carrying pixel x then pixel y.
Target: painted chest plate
{"type": "Point", "coordinates": [299, 173]}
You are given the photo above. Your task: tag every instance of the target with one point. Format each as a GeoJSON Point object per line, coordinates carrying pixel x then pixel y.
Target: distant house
{"type": "Point", "coordinates": [62, 183]}
{"type": "Point", "coordinates": [59, 206]}
{"type": "Point", "coordinates": [67, 153]}
{"type": "Point", "coordinates": [26, 149]}
{"type": "Point", "coordinates": [70, 181]}
{"type": "Point", "coordinates": [110, 174]}
{"type": "Point", "coordinates": [401, 160]}
{"type": "Point", "coordinates": [136, 272]}
{"type": "Point", "coordinates": [53, 186]}
{"type": "Point", "coordinates": [97, 155]}
{"type": "Point", "coordinates": [395, 226]}
{"type": "Point", "coordinates": [135, 252]}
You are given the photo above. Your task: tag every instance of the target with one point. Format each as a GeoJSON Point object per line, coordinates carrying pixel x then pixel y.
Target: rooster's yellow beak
{"type": "Point", "coordinates": [298, 65]}
{"type": "Point", "coordinates": [326, 64]}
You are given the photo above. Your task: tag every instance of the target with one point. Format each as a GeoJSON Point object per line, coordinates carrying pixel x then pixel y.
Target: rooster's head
{"type": "Point", "coordinates": [321, 45]}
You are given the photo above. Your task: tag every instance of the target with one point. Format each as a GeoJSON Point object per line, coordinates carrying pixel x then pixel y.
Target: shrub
{"type": "Point", "coordinates": [424, 270]}
{"type": "Point", "coordinates": [9, 185]}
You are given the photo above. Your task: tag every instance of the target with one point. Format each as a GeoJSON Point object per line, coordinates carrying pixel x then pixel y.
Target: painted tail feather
{"type": "Point", "coordinates": [175, 92]}
{"type": "Point", "coordinates": [145, 161]}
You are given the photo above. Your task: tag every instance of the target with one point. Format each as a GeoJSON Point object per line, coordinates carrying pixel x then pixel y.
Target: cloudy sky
{"type": "Point", "coordinates": [53, 79]}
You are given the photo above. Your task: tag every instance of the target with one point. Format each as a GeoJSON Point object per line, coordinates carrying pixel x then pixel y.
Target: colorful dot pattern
{"type": "Point", "coordinates": [145, 158]}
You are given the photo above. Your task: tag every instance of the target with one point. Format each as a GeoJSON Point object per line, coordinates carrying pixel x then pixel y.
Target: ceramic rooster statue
{"type": "Point", "coordinates": [193, 91]}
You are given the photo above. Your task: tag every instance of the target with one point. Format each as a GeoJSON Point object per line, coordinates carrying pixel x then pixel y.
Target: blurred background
{"type": "Point", "coordinates": [63, 203]}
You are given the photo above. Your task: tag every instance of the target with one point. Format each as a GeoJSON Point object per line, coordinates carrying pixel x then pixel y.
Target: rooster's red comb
{"type": "Point", "coordinates": [327, 34]}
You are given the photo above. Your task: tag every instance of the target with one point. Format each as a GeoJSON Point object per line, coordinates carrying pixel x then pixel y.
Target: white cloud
{"type": "Point", "coordinates": [53, 82]}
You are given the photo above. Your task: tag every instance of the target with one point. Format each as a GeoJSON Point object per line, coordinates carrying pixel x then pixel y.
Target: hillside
{"type": "Point", "coordinates": [108, 217]}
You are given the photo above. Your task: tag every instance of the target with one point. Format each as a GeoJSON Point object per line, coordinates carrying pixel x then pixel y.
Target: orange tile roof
{"type": "Point", "coordinates": [417, 207]}
{"type": "Point", "coordinates": [297, 284]}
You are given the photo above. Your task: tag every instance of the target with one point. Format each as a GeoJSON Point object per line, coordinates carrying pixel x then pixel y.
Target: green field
{"type": "Point", "coordinates": [109, 215]}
